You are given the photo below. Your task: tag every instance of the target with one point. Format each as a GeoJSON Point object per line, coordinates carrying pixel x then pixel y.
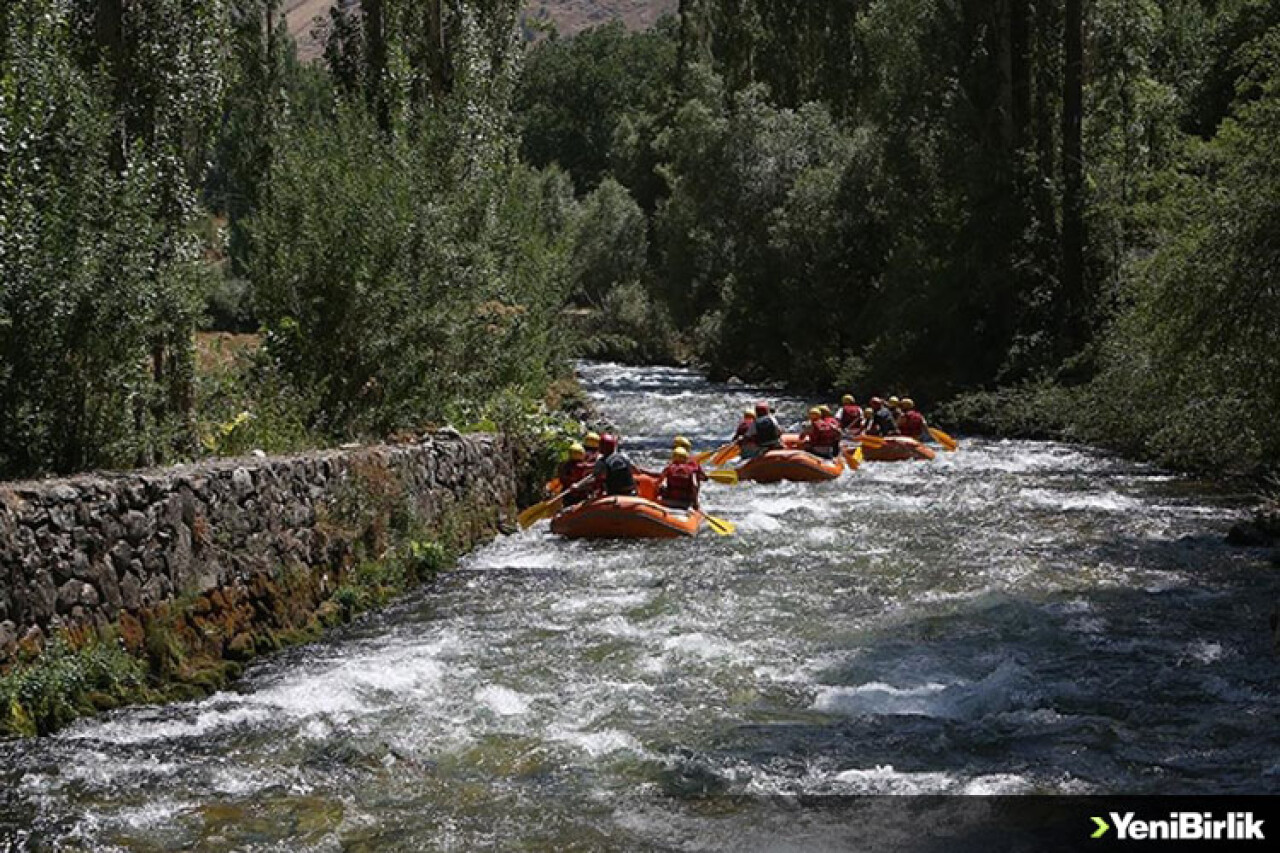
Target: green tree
{"type": "Point", "coordinates": [100, 276]}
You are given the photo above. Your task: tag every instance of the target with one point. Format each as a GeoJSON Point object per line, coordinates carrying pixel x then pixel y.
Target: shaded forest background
{"type": "Point", "coordinates": [1056, 218]}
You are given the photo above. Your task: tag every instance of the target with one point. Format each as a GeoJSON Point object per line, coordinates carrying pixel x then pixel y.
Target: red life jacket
{"type": "Point", "coordinates": [850, 417]}
{"type": "Point", "coordinates": [911, 424]}
{"type": "Point", "coordinates": [743, 426]}
{"type": "Point", "coordinates": [680, 483]}
{"type": "Point", "coordinates": [571, 471]}
{"type": "Point", "coordinates": [825, 433]}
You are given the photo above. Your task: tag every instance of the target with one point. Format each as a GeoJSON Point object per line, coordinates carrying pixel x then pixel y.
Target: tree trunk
{"type": "Point", "coordinates": [108, 30]}
{"type": "Point", "coordinates": [1044, 115]}
{"type": "Point", "coordinates": [1073, 171]}
{"type": "Point", "coordinates": [438, 71]}
{"type": "Point", "coordinates": [1019, 73]}
{"type": "Point", "coordinates": [376, 36]}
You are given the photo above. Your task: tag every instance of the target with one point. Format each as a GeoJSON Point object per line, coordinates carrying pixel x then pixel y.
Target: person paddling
{"type": "Point", "coordinates": [591, 444]}
{"type": "Point", "coordinates": [615, 473]}
{"type": "Point", "coordinates": [851, 421]}
{"type": "Point", "coordinates": [765, 433]}
{"type": "Point", "coordinates": [748, 418]}
{"type": "Point", "coordinates": [572, 471]}
{"type": "Point", "coordinates": [882, 423]}
{"type": "Point", "coordinates": [680, 481]}
{"type": "Point", "coordinates": [821, 436]}
{"type": "Point", "coordinates": [912, 423]}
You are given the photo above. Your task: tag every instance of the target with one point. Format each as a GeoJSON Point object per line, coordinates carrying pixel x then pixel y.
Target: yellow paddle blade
{"type": "Point", "coordinates": [945, 440]}
{"type": "Point", "coordinates": [537, 512]}
{"type": "Point", "coordinates": [720, 525]}
{"type": "Point", "coordinates": [724, 454]}
{"type": "Point", "coordinates": [729, 477]}
{"type": "Point", "coordinates": [853, 458]}
{"type": "Point", "coordinates": [872, 441]}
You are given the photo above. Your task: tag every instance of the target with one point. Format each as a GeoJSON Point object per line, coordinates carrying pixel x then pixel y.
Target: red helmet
{"type": "Point", "coordinates": [876, 402]}
{"type": "Point", "coordinates": [762, 408]}
{"type": "Point", "coordinates": [608, 444]}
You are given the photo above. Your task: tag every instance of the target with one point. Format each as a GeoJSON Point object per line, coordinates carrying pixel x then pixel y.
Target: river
{"type": "Point", "coordinates": [1014, 618]}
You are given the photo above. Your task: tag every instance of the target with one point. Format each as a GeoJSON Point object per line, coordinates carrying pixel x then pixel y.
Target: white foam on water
{"type": "Point", "coordinates": [1022, 457]}
{"type": "Point", "coordinates": [884, 779]}
{"type": "Point", "coordinates": [760, 521]}
{"type": "Point", "coordinates": [101, 769]}
{"type": "Point", "coordinates": [1000, 691]}
{"type": "Point", "coordinates": [131, 730]}
{"type": "Point", "coordinates": [597, 744]}
{"type": "Point", "coordinates": [700, 645]}
{"type": "Point", "coordinates": [516, 551]}
{"type": "Point", "coordinates": [996, 784]}
{"type": "Point", "coordinates": [1204, 651]}
{"type": "Point", "coordinates": [502, 701]}
{"type": "Point", "coordinates": [340, 691]}
{"type": "Point", "coordinates": [620, 627]}
{"type": "Point", "coordinates": [879, 699]}
{"type": "Point", "coordinates": [153, 813]}
{"type": "Point", "coordinates": [1108, 501]}
{"type": "Point", "coordinates": [602, 600]}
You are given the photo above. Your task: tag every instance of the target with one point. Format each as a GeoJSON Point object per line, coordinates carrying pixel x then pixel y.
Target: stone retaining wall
{"type": "Point", "coordinates": [105, 550]}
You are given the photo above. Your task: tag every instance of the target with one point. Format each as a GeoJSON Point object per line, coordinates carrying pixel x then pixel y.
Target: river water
{"type": "Point", "coordinates": [1014, 618]}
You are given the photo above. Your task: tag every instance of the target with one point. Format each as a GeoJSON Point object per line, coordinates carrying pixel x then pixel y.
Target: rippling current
{"type": "Point", "coordinates": [1014, 618]}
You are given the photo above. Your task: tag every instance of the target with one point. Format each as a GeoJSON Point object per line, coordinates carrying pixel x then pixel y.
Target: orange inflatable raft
{"type": "Point", "coordinates": [787, 464]}
{"type": "Point", "coordinates": [897, 448]}
{"type": "Point", "coordinates": [624, 517]}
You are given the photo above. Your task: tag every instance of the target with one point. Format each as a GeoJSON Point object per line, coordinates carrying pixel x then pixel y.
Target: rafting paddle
{"type": "Point", "coordinates": [875, 442]}
{"type": "Point", "coordinates": [725, 453]}
{"type": "Point", "coordinates": [537, 512]}
{"type": "Point", "coordinates": [948, 443]}
{"type": "Point", "coordinates": [728, 477]}
{"type": "Point", "coordinates": [708, 454]}
{"type": "Point", "coordinates": [719, 525]}
{"type": "Point", "coordinates": [853, 457]}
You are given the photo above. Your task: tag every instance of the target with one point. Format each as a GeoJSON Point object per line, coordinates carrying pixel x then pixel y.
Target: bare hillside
{"type": "Point", "coordinates": [569, 16]}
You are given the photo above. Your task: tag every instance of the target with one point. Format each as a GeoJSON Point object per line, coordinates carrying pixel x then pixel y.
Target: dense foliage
{"type": "Point", "coordinates": [100, 274]}
{"type": "Point", "coordinates": [370, 216]}
{"type": "Point", "coordinates": [1069, 207]}
{"type": "Point", "coordinates": [1072, 199]}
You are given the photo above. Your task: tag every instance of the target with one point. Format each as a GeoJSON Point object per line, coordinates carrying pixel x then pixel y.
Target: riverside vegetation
{"type": "Point", "coordinates": [1061, 217]}
{"type": "Point", "coordinates": [1065, 207]}
{"type": "Point", "coordinates": [171, 165]}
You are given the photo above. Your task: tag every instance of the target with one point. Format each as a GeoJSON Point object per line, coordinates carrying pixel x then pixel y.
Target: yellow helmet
{"type": "Point", "coordinates": [847, 400]}
{"type": "Point", "coordinates": [908, 403]}
{"type": "Point", "coordinates": [681, 441]}
{"type": "Point", "coordinates": [680, 453]}
{"type": "Point", "coordinates": [894, 402]}
{"type": "Point", "coordinates": [825, 411]}
{"type": "Point", "coordinates": [867, 412]}
{"type": "Point", "coordinates": [592, 440]}
{"type": "Point", "coordinates": [747, 413]}
{"type": "Point", "coordinates": [815, 413]}
{"type": "Point", "coordinates": [576, 451]}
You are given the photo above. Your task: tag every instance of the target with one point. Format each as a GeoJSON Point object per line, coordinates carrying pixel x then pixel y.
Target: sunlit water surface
{"type": "Point", "coordinates": [1013, 618]}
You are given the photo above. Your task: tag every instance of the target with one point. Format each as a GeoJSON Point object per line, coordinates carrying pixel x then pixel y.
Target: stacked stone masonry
{"type": "Point", "coordinates": [88, 550]}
